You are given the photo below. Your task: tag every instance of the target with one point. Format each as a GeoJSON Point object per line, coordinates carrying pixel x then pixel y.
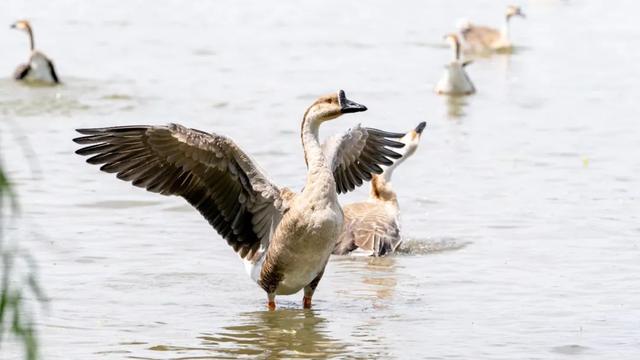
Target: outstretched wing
{"type": "Point", "coordinates": [210, 171]}
{"type": "Point", "coordinates": [357, 154]}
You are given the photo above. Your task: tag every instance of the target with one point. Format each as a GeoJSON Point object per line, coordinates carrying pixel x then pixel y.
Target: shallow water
{"type": "Point", "coordinates": [521, 206]}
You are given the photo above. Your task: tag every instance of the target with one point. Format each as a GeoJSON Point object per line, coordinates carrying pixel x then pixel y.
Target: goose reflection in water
{"type": "Point", "coordinates": [288, 333]}
{"type": "Point", "coordinates": [373, 279]}
{"type": "Point", "coordinates": [455, 106]}
{"type": "Point", "coordinates": [381, 279]}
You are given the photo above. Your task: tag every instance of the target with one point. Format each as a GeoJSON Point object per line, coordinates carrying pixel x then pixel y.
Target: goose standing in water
{"type": "Point", "coordinates": [484, 39]}
{"type": "Point", "coordinates": [454, 80]}
{"type": "Point", "coordinates": [285, 238]}
{"type": "Point", "coordinates": [374, 226]}
{"type": "Point", "coordinates": [39, 68]}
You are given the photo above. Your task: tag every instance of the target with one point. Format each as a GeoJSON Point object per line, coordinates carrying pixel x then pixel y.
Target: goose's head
{"type": "Point", "coordinates": [513, 10]}
{"type": "Point", "coordinates": [452, 40]}
{"type": "Point", "coordinates": [411, 140]}
{"type": "Point", "coordinates": [463, 25]}
{"type": "Point", "coordinates": [331, 106]}
{"type": "Point", "coordinates": [22, 25]}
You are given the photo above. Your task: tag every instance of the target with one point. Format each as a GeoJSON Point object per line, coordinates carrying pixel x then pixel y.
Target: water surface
{"type": "Point", "coordinates": [521, 206]}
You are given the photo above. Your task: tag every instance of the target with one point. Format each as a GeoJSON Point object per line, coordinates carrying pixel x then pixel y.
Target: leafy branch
{"type": "Point", "coordinates": [15, 319]}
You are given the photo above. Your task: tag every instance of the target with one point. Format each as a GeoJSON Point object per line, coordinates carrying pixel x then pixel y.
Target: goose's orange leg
{"type": "Point", "coordinates": [306, 302]}
{"type": "Point", "coordinates": [310, 289]}
{"type": "Point", "coordinates": [271, 303]}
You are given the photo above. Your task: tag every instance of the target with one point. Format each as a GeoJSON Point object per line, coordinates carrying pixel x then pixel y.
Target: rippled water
{"type": "Point", "coordinates": [521, 206]}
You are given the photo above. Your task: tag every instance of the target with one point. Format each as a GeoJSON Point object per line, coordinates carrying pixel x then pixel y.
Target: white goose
{"type": "Point", "coordinates": [483, 39]}
{"type": "Point", "coordinates": [454, 80]}
{"type": "Point", "coordinates": [374, 226]}
{"type": "Point", "coordinates": [285, 238]}
{"type": "Point", "coordinates": [39, 68]}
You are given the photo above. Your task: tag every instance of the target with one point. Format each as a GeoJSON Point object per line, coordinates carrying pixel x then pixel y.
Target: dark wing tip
{"type": "Point", "coordinates": [113, 129]}
{"type": "Point", "coordinates": [84, 140]}
{"type": "Point", "coordinates": [394, 155]}
{"type": "Point", "coordinates": [394, 144]}
{"type": "Point", "coordinates": [387, 134]}
{"type": "Point", "coordinates": [91, 131]}
{"type": "Point", "coordinates": [80, 151]}
{"type": "Point", "coordinates": [341, 189]}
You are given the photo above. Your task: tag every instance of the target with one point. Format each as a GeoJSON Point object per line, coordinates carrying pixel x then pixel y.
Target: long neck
{"type": "Point", "coordinates": [389, 171]}
{"type": "Point", "coordinates": [381, 190]}
{"type": "Point", "coordinates": [505, 27]}
{"type": "Point", "coordinates": [455, 50]}
{"type": "Point", "coordinates": [31, 42]}
{"type": "Point", "coordinates": [313, 155]}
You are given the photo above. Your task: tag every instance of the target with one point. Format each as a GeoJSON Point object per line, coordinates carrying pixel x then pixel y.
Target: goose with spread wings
{"type": "Point", "coordinates": [372, 227]}
{"type": "Point", "coordinates": [285, 238]}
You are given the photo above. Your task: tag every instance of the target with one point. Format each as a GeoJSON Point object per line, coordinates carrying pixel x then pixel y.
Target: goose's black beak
{"type": "Point", "coordinates": [348, 106]}
{"type": "Point", "coordinates": [420, 127]}
{"type": "Point", "coordinates": [13, 26]}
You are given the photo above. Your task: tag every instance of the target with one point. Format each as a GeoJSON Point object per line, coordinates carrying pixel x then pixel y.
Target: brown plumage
{"type": "Point", "coordinates": [208, 170]}
{"type": "Point", "coordinates": [369, 227]}
{"type": "Point", "coordinates": [481, 37]}
{"type": "Point", "coordinates": [484, 39]}
{"type": "Point", "coordinates": [285, 238]}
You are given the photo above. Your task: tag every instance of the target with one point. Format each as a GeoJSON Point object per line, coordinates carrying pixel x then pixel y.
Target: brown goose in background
{"type": "Point", "coordinates": [39, 68]}
{"type": "Point", "coordinates": [373, 227]}
{"type": "Point", "coordinates": [285, 238]}
{"type": "Point", "coordinates": [484, 39]}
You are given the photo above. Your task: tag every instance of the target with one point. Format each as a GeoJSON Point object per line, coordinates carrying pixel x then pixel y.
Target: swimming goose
{"type": "Point", "coordinates": [454, 80]}
{"type": "Point", "coordinates": [39, 68]}
{"type": "Point", "coordinates": [285, 238]}
{"type": "Point", "coordinates": [483, 39]}
{"type": "Point", "coordinates": [373, 226]}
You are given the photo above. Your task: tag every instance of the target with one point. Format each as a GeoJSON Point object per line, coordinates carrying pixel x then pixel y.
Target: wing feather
{"type": "Point", "coordinates": [357, 154]}
{"type": "Point", "coordinates": [210, 171]}
{"type": "Point", "coordinates": [367, 226]}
